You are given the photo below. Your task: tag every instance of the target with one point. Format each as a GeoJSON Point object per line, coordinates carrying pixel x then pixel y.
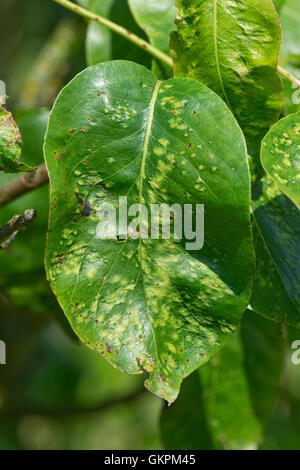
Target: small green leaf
{"type": "Point", "coordinates": [280, 155]}
{"type": "Point", "coordinates": [184, 425]}
{"type": "Point", "coordinates": [10, 145]}
{"type": "Point", "coordinates": [232, 46]}
{"type": "Point", "coordinates": [291, 93]}
{"type": "Point", "coordinates": [264, 352]}
{"type": "Point", "coordinates": [278, 4]}
{"type": "Point", "coordinates": [147, 304]}
{"type": "Point", "coordinates": [222, 416]}
{"type": "Point", "coordinates": [277, 220]}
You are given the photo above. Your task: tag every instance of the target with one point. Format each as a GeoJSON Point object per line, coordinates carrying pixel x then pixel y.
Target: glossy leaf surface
{"type": "Point", "coordinates": [233, 47]}
{"type": "Point", "coordinates": [147, 304]}
{"type": "Point", "coordinates": [281, 156]}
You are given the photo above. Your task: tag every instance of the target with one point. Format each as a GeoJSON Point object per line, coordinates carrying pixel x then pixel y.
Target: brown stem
{"type": "Point", "coordinates": [9, 230]}
{"type": "Point", "coordinates": [23, 184]}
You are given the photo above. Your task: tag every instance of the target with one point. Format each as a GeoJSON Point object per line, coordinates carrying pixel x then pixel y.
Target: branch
{"type": "Point", "coordinates": [72, 411]}
{"type": "Point", "coordinates": [9, 230]}
{"type": "Point", "coordinates": [117, 29]}
{"type": "Point", "coordinates": [23, 184]}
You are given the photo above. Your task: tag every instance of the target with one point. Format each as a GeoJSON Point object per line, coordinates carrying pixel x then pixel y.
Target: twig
{"type": "Point", "coordinates": [23, 184]}
{"type": "Point", "coordinates": [139, 41]}
{"type": "Point", "coordinates": [9, 230]}
{"type": "Point", "coordinates": [117, 29]}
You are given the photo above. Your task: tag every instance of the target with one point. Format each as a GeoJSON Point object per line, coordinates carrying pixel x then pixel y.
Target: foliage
{"type": "Point", "coordinates": [10, 144]}
{"type": "Point", "coordinates": [182, 102]}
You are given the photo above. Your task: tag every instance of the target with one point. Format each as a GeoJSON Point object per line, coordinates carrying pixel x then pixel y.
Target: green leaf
{"type": "Point", "coordinates": [291, 93]}
{"type": "Point", "coordinates": [232, 46]}
{"type": "Point", "coordinates": [264, 347]}
{"type": "Point", "coordinates": [184, 425]}
{"type": "Point", "coordinates": [22, 272]}
{"type": "Point", "coordinates": [222, 413]}
{"type": "Point", "coordinates": [157, 19]}
{"type": "Point", "coordinates": [284, 427]}
{"type": "Point", "coordinates": [276, 292]}
{"type": "Point", "coordinates": [147, 304]}
{"type": "Point", "coordinates": [98, 37]}
{"type": "Point", "coordinates": [10, 145]}
{"type": "Point", "coordinates": [269, 297]}
{"type": "Point", "coordinates": [289, 19]}
{"type": "Point", "coordinates": [280, 156]}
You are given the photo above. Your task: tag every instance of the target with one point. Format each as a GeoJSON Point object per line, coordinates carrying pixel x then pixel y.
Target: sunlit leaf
{"type": "Point", "coordinates": [233, 46]}
{"type": "Point", "coordinates": [147, 304]}
{"type": "Point", "coordinates": [278, 4]}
